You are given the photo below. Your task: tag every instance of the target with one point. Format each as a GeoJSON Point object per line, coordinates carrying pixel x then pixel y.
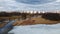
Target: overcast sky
{"type": "Point", "coordinates": [29, 4]}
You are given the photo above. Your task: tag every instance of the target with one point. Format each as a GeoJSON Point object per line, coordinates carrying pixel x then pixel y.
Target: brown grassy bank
{"type": "Point", "coordinates": [36, 20]}
{"type": "Point", "coordinates": [30, 21]}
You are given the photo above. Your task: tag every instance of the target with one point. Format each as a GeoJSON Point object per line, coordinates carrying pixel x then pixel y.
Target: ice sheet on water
{"type": "Point", "coordinates": [37, 29]}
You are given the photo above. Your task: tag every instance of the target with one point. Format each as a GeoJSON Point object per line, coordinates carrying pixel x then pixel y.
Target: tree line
{"type": "Point", "coordinates": [50, 16]}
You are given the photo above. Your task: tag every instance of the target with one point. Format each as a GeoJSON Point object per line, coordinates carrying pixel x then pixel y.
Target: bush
{"type": "Point", "coordinates": [51, 16]}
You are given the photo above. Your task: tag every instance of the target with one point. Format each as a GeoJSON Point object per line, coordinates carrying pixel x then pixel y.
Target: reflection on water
{"type": "Point", "coordinates": [7, 27]}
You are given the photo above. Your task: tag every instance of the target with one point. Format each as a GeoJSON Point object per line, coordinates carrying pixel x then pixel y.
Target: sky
{"type": "Point", "coordinates": [6, 5]}
{"type": "Point", "coordinates": [36, 29]}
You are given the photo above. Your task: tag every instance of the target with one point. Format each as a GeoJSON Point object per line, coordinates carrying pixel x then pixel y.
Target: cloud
{"type": "Point", "coordinates": [29, 5]}
{"type": "Point", "coordinates": [35, 1]}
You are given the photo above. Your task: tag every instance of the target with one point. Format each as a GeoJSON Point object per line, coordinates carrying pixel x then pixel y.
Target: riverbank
{"type": "Point", "coordinates": [35, 20]}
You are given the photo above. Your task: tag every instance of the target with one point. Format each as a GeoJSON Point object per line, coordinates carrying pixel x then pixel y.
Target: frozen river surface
{"type": "Point", "coordinates": [36, 29]}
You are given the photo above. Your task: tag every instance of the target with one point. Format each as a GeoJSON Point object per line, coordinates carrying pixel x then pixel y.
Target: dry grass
{"type": "Point", "coordinates": [40, 20]}
{"type": "Point", "coordinates": [30, 21]}
{"type": "Point", "coordinates": [36, 20]}
{"type": "Point", "coordinates": [2, 25]}
{"type": "Point", "coordinates": [10, 18]}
